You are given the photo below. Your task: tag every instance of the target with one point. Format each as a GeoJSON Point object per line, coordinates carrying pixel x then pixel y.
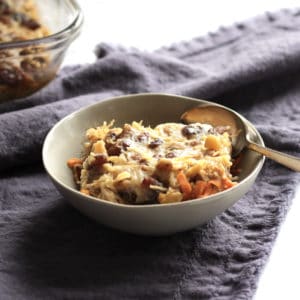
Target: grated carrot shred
{"type": "Point", "coordinates": [73, 161]}
{"type": "Point", "coordinates": [184, 185]}
{"type": "Point", "coordinates": [227, 183]}
{"type": "Point", "coordinates": [199, 188]}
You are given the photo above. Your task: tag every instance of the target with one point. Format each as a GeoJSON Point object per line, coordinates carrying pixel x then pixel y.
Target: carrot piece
{"type": "Point", "coordinates": [85, 191]}
{"type": "Point", "coordinates": [205, 188]}
{"type": "Point", "coordinates": [184, 185]}
{"type": "Point", "coordinates": [74, 161]}
{"type": "Point", "coordinates": [227, 183]}
{"type": "Point", "coordinates": [217, 183]}
{"type": "Point", "coordinates": [209, 190]}
{"type": "Point", "coordinates": [199, 188]}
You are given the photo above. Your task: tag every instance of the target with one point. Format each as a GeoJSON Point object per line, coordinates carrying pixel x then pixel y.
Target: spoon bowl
{"type": "Point", "coordinates": [239, 131]}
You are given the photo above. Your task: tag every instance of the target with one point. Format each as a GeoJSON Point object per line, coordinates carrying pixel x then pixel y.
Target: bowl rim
{"type": "Point", "coordinates": [71, 30]}
{"type": "Point", "coordinates": [208, 199]}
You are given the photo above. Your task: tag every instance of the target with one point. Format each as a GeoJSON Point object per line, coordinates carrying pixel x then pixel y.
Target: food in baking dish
{"type": "Point", "coordinates": [19, 20]}
{"type": "Point", "coordinates": [22, 69]}
{"type": "Point", "coordinates": [171, 162]}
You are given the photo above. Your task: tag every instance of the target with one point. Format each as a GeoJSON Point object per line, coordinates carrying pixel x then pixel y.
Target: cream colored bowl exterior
{"type": "Point", "coordinates": [65, 141]}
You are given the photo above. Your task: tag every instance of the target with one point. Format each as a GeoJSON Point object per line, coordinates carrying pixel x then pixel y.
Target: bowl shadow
{"type": "Point", "coordinates": [63, 249]}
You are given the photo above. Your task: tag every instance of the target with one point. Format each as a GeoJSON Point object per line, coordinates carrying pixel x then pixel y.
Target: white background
{"type": "Point", "coordinates": [148, 25]}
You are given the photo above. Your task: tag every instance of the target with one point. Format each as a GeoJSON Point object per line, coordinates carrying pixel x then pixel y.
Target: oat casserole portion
{"type": "Point", "coordinates": [19, 21]}
{"type": "Point", "coordinates": [23, 69]}
{"type": "Point", "coordinates": [171, 162]}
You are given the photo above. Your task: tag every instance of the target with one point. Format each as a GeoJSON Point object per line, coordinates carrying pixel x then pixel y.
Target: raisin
{"type": "Point", "coordinates": [155, 143]}
{"type": "Point", "coordinates": [77, 173]}
{"type": "Point", "coordinates": [126, 143]}
{"type": "Point", "coordinates": [25, 21]}
{"type": "Point", "coordinates": [4, 8]}
{"type": "Point", "coordinates": [113, 149]}
{"type": "Point", "coordinates": [32, 50]}
{"type": "Point", "coordinates": [111, 145]}
{"type": "Point", "coordinates": [111, 137]}
{"type": "Point", "coordinates": [136, 156]}
{"type": "Point", "coordinates": [31, 24]}
{"type": "Point", "coordinates": [100, 159]}
{"type": "Point", "coordinates": [10, 75]}
{"type": "Point", "coordinates": [143, 137]}
{"type": "Point", "coordinates": [143, 161]}
{"type": "Point", "coordinates": [189, 131]}
{"type": "Point", "coordinates": [93, 173]}
{"type": "Point", "coordinates": [33, 64]}
{"type": "Point", "coordinates": [128, 196]}
{"type": "Point", "coordinates": [147, 181]}
{"type": "Point", "coordinates": [222, 129]}
{"type": "Point", "coordinates": [151, 197]}
{"type": "Point", "coordinates": [170, 155]}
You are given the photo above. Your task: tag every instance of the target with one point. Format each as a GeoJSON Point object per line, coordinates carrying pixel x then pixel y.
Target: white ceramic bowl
{"type": "Point", "coordinates": [65, 141]}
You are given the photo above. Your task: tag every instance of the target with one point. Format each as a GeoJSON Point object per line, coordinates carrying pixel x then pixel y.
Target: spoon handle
{"type": "Point", "coordinates": [289, 161]}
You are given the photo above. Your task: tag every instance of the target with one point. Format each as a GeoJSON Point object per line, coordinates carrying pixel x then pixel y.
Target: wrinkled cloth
{"type": "Point", "coordinates": [50, 251]}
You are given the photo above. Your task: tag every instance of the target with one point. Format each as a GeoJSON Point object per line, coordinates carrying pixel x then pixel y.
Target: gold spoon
{"type": "Point", "coordinates": [216, 115]}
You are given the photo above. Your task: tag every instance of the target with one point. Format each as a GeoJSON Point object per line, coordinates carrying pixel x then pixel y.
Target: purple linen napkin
{"type": "Point", "coordinates": [50, 251]}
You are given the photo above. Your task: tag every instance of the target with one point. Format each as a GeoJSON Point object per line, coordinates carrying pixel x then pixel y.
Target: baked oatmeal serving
{"type": "Point", "coordinates": [22, 69]}
{"type": "Point", "coordinates": [171, 162]}
{"type": "Point", "coordinates": [19, 20]}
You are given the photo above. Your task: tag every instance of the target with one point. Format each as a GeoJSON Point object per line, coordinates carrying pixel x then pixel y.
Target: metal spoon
{"type": "Point", "coordinates": [216, 115]}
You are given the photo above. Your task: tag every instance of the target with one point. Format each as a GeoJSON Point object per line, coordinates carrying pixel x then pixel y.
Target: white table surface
{"type": "Point", "coordinates": [136, 23]}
